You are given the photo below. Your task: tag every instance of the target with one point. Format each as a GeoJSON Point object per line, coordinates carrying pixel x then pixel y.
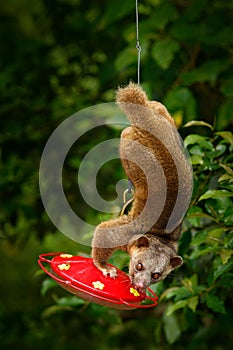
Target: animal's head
{"type": "Point", "coordinates": [150, 262]}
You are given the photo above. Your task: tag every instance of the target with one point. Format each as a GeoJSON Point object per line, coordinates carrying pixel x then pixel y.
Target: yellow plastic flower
{"type": "Point", "coordinates": [98, 285]}
{"type": "Point", "coordinates": [66, 256]}
{"type": "Point", "coordinates": [134, 292]}
{"type": "Point", "coordinates": [64, 267]}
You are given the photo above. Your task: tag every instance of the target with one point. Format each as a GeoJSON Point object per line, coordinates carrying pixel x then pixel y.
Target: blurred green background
{"type": "Point", "coordinates": [60, 56]}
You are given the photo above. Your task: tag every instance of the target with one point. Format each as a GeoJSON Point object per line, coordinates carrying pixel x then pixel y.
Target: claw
{"type": "Point", "coordinates": [110, 271]}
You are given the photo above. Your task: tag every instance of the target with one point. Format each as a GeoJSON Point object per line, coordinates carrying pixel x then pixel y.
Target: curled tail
{"type": "Point", "coordinates": [154, 159]}
{"type": "Point", "coordinates": [132, 97]}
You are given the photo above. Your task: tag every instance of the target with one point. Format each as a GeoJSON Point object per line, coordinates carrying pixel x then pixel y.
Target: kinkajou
{"type": "Point", "coordinates": [154, 160]}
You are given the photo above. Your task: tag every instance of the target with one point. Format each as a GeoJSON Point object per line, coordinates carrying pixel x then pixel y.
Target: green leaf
{"type": "Point", "coordinates": [228, 169]}
{"type": "Point", "coordinates": [225, 255]}
{"type": "Point", "coordinates": [164, 51]}
{"type": "Point", "coordinates": [163, 14]}
{"type": "Point", "coordinates": [221, 269]}
{"type": "Point", "coordinates": [116, 10]}
{"type": "Point", "coordinates": [177, 292]}
{"type": "Point", "coordinates": [47, 284]}
{"type": "Point", "coordinates": [208, 71]}
{"type": "Point", "coordinates": [228, 215]}
{"type": "Point", "coordinates": [225, 177]}
{"type": "Point", "coordinates": [70, 301]}
{"type": "Point", "coordinates": [176, 306]}
{"type": "Point", "coordinates": [226, 135]}
{"type": "Point", "coordinates": [169, 293]}
{"type": "Point", "coordinates": [218, 206]}
{"type": "Point", "coordinates": [191, 282]}
{"type": "Point", "coordinates": [215, 194]}
{"type": "Point", "coordinates": [215, 235]}
{"type": "Point", "coordinates": [197, 123]}
{"type": "Point", "coordinates": [181, 99]}
{"type": "Point", "coordinates": [228, 219]}
{"type": "Point", "coordinates": [200, 237]}
{"type": "Point", "coordinates": [220, 149]}
{"type": "Point", "coordinates": [54, 309]}
{"type": "Point", "coordinates": [200, 140]}
{"type": "Point", "coordinates": [184, 242]}
{"type": "Point", "coordinates": [197, 151]}
{"type": "Point", "coordinates": [126, 58]}
{"type": "Point", "coordinates": [196, 159]}
{"type": "Point", "coordinates": [202, 251]}
{"type": "Point", "coordinates": [196, 216]}
{"type": "Point", "coordinates": [158, 288]}
{"type": "Point", "coordinates": [214, 303]}
{"type": "Point", "coordinates": [228, 240]}
{"type": "Point", "coordinates": [192, 303]}
{"type": "Point", "coordinates": [171, 328]}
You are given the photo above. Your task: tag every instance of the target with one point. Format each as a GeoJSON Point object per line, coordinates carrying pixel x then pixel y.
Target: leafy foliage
{"type": "Point", "coordinates": [206, 243]}
{"type": "Point", "coordinates": [60, 56]}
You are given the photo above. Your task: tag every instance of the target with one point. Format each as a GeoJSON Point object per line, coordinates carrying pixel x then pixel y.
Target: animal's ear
{"type": "Point", "coordinates": [139, 241]}
{"type": "Point", "coordinates": [176, 261]}
{"type": "Point", "coordinates": [142, 242]}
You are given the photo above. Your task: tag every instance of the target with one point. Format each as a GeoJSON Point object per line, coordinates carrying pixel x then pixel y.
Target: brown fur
{"type": "Point", "coordinates": [153, 159]}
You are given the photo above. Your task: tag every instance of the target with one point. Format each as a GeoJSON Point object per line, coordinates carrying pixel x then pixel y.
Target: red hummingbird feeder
{"type": "Point", "coordinates": [79, 276]}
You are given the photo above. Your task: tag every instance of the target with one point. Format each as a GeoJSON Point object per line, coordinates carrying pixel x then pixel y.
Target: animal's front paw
{"type": "Point", "coordinates": [109, 271]}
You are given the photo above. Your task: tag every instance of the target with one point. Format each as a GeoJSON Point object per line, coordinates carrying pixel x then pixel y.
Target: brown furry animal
{"type": "Point", "coordinates": [154, 160]}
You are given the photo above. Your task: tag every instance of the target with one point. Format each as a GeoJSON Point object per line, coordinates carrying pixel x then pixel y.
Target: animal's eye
{"type": "Point", "coordinates": [155, 275]}
{"type": "Point", "coordinates": [139, 267]}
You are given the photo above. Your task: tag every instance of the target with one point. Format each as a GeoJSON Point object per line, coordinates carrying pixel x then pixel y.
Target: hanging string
{"type": "Point", "coordinates": [138, 46]}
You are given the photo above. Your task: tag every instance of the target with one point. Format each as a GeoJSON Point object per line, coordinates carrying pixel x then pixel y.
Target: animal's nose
{"type": "Point", "coordinates": [140, 285]}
